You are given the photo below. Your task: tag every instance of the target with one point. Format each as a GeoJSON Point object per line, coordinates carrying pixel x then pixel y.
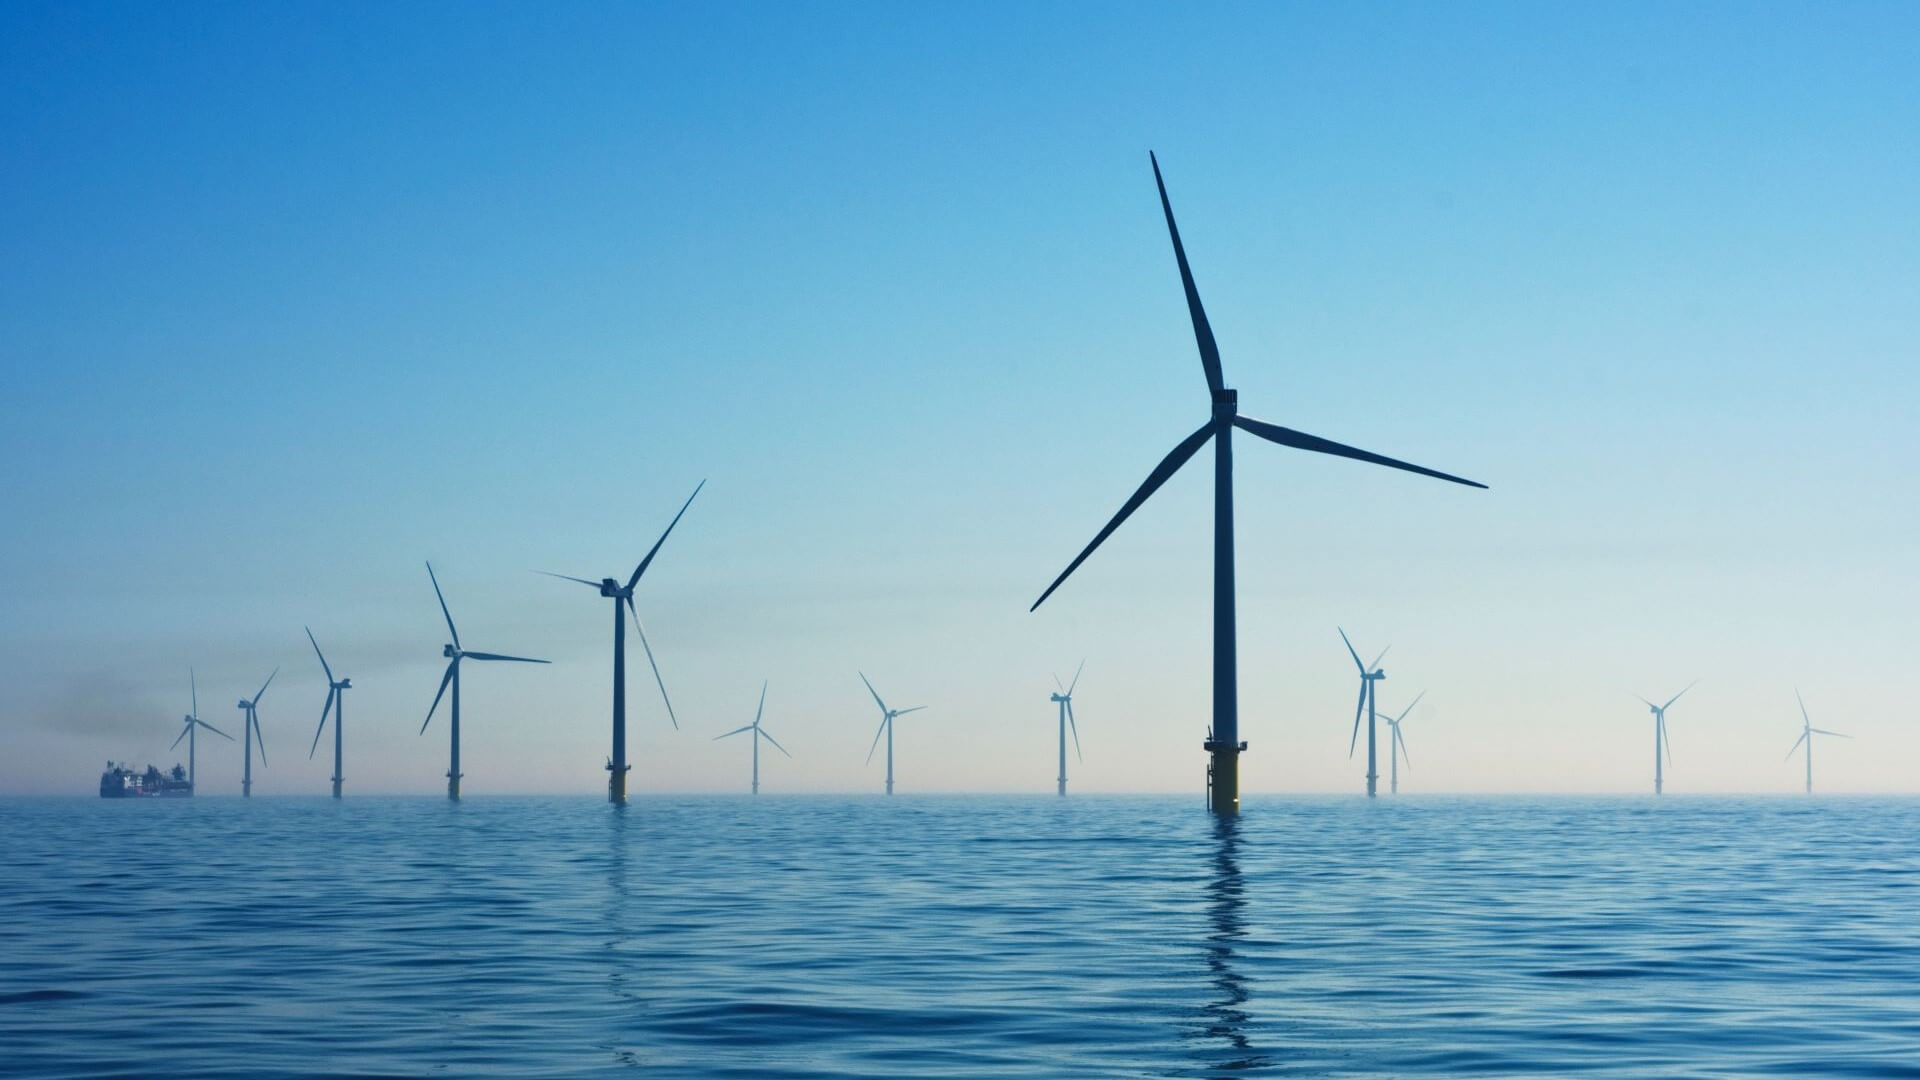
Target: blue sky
{"type": "Point", "coordinates": [299, 296]}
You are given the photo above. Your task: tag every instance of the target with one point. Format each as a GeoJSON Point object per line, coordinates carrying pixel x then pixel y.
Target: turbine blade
{"type": "Point", "coordinates": [1644, 701]}
{"type": "Point", "coordinates": [264, 685]}
{"type": "Point", "coordinates": [499, 656]}
{"type": "Point", "coordinates": [1665, 740]}
{"type": "Point", "coordinates": [1300, 440]}
{"type": "Point", "coordinates": [1074, 727]}
{"type": "Point", "coordinates": [184, 728]}
{"type": "Point", "coordinates": [876, 737]}
{"type": "Point", "coordinates": [1375, 666]}
{"type": "Point", "coordinates": [648, 649]}
{"type": "Point", "coordinates": [1350, 652]}
{"type": "Point", "coordinates": [438, 595]}
{"type": "Point", "coordinates": [1824, 731]}
{"type": "Point", "coordinates": [875, 693]}
{"type": "Point", "coordinates": [194, 682]}
{"type": "Point", "coordinates": [762, 707]}
{"type": "Point", "coordinates": [1358, 708]}
{"type": "Point", "coordinates": [1796, 745]}
{"type": "Point", "coordinates": [1803, 707]}
{"type": "Point", "coordinates": [1076, 680]}
{"type": "Point", "coordinates": [1409, 708]}
{"type": "Point", "coordinates": [324, 710]}
{"type": "Point", "coordinates": [213, 729]}
{"type": "Point", "coordinates": [570, 577]}
{"type": "Point", "coordinates": [1057, 684]}
{"type": "Point", "coordinates": [1167, 467]}
{"type": "Point", "coordinates": [735, 731]}
{"type": "Point", "coordinates": [642, 568]}
{"type": "Point", "coordinates": [444, 680]}
{"type": "Point", "coordinates": [1400, 741]}
{"type": "Point", "coordinates": [1681, 694]}
{"type": "Point", "coordinates": [897, 713]}
{"type": "Point", "coordinates": [259, 737]}
{"type": "Point", "coordinates": [1202, 331]}
{"type": "Point", "coordinates": [771, 739]}
{"type": "Point", "coordinates": [323, 659]}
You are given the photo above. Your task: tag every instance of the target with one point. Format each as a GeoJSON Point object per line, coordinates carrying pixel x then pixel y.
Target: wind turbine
{"type": "Point", "coordinates": [1223, 741]}
{"type": "Point", "coordinates": [886, 726]}
{"type": "Point", "coordinates": [1399, 747]}
{"type": "Point", "coordinates": [1065, 698]}
{"type": "Point", "coordinates": [189, 723]}
{"type": "Point", "coordinates": [612, 589]}
{"type": "Point", "coordinates": [758, 734]}
{"type": "Point", "coordinates": [337, 704]}
{"type": "Point", "coordinates": [454, 654]}
{"type": "Point", "coordinates": [1660, 735]}
{"type": "Point", "coordinates": [1807, 732]}
{"type": "Point", "coordinates": [1369, 674]}
{"type": "Point", "coordinates": [250, 730]}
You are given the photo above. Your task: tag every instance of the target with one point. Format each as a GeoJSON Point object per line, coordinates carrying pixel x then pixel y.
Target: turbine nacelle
{"type": "Point", "coordinates": [449, 652]}
{"type": "Point", "coordinates": [1226, 404]}
{"type": "Point", "coordinates": [243, 704]}
{"type": "Point", "coordinates": [343, 684]}
{"type": "Point", "coordinates": [1060, 697]}
{"type": "Point", "coordinates": [610, 589]}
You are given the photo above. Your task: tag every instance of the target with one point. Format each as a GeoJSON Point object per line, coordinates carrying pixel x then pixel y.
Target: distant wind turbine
{"type": "Point", "coordinates": [189, 723]}
{"type": "Point", "coordinates": [623, 595]}
{"type": "Point", "coordinates": [1399, 747]}
{"type": "Point", "coordinates": [336, 703]}
{"type": "Point", "coordinates": [1660, 736]}
{"type": "Point", "coordinates": [1065, 698]}
{"type": "Point", "coordinates": [886, 727]}
{"type": "Point", "coordinates": [1369, 675]}
{"type": "Point", "coordinates": [1807, 732]}
{"type": "Point", "coordinates": [250, 729]}
{"type": "Point", "coordinates": [758, 734]}
{"type": "Point", "coordinates": [1223, 741]}
{"type": "Point", "coordinates": [454, 654]}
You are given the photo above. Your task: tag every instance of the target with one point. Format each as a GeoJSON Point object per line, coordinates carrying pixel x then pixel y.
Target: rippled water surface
{"type": "Point", "coordinates": [1045, 937]}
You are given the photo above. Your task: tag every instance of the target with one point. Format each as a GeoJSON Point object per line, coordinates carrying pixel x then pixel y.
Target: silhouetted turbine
{"type": "Point", "coordinates": [188, 724]}
{"type": "Point", "coordinates": [758, 734]}
{"type": "Point", "coordinates": [454, 654]}
{"type": "Point", "coordinates": [336, 703]}
{"type": "Point", "coordinates": [886, 728]}
{"type": "Point", "coordinates": [623, 595]}
{"type": "Point", "coordinates": [1065, 698]}
{"type": "Point", "coordinates": [250, 729]}
{"type": "Point", "coordinates": [1369, 675]}
{"type": "Point", "coordinates": [1223, 740]}
{"type": "Point", "coordinates": [1660, 736]}
{"type": "Point", "coordinates": [1399, 747]}
{"type": "Point", "coordinates": [1807, 732]}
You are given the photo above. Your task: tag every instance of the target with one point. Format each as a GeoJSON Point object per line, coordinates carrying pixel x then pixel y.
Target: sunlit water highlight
{"type": "Point", "coordinates": [1044, 937]}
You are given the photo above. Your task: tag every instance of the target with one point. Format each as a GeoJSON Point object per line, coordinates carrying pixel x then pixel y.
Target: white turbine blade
{"type": "Point", "coordinates": [758, 712]}
{"type": "Point", "coordinates": [1678, 696]}
{"type": "Point", "coordinates": [881, 730]}
{"type": "Point", "coordinates": [1375, 666]}
{"type": "Point", "coordinates": [1076, 679]}
{"type": "Point", "coordinates": [1665, 740]}
{"type": "Point", "coordinates": [1403, 712]}
{"type": "Point", "coordinates": [1057, 684]}
{"type": "Point", "coordinates": [503, 656]}
{"type": "Point", "coordinates": [259, 737]}
{"type": "Point", "coordinates": [1074, 727]}
{"type": "Point", "coordinates": [1400, 741]}
{"type": "Point", "coordinates": [213, 729]}
{"type": "Point", "coordinates": [1796, 745]}
{"type": "Point", "coordinates": [184, 728]}
{"type": "Point", "coordinates": [903, 712]}
{"type": "Point", "coordinates": [648, 649]}
{"type": "Point", "coordinates": [735, 731]}
{"type": "Point", "coordinates": [1824, 731]}
{"type": "Point", "coordinates": [875, 693]}
{"type": "Point", "coordinates": [1351, 652]}
{"type": "Point", "coordinates": [1808, 720]}
{"type": "Point", "coordinates": [194, 682]}
{"type": "Point", "coordinates": [570, 577]}
{"type": "Point", "coordinates": [776, 743]}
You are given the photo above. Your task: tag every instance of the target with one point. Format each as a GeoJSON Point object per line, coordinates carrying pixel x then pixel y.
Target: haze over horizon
{"type": "Point", "coordinates": [303, 296]}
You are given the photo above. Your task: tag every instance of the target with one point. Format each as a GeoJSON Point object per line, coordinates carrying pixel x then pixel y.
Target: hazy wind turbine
{"type": "Point", "coordinates": [337, 704]}
{"type": "Point", "coordinates": [1065, 698]}
{"type": "Point", "coordinates": [189, 723]}
{"type": "Point", "coordinates": [454, 654]}
{"type": "Point", "coordinates": [1807, 732]}
{"type": "Point", "coordinates": [1223, 741]}
{"type": "Point", "coordinates": [758, 734]}
{"type": "Point", "coordinates": [1660, 736]}
{"type": "Point", "coordinates": [886, 727]}
{"type": "Point", "coordinates": [250, 729]}
{"type": "Point", "coordinates": [623, 595]}
{"type": "Point", "coordinates": [1369, 675]}
{"type": "Point", "coordinates": [1399, 747]}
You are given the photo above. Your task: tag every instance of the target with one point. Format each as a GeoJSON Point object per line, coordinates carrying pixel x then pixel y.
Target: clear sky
{"type": "Point", "coordinates": [295, 296]}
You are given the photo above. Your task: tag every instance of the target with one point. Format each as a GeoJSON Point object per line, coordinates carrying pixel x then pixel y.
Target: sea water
{"type": "Point", "coordinates": [958, 936]}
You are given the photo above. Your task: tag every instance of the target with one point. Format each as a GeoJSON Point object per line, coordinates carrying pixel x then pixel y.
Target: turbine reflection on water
{"type": "Point", "coordinates": [1225, 1020]}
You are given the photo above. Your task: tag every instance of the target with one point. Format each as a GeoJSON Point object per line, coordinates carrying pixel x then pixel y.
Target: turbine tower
{"type": "Point", "coordinates": [1807, 732]}
{"type": "Point", "coordinates": [454, 654]}
{"type": "Point", "coordinates": [1065, 698]}
{"type": "Point", "coordinates": [758, 734]}
{"type": "Point", "coordinates": [622, 595]}
{"type": "Point", "coordinates": [336, 703]}
{"type": "Point", "coordinates": [886, 727]}
{"type": "Point", "coordinates": [250, 729]}
{"type": "Point", "coordinates": [1660, 736]}
{"type": "Point", "coordinates": [1369, 675]}
{"type": "Point", "coordinates": [1399, 747]}
{"type": "Point", "coordinates": [189, 723]}
{"type": "Point", "coordinates": [1223, 742]}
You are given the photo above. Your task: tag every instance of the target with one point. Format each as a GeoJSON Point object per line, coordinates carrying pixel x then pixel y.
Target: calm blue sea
{"type": "Point", "coordinates": [1040, 937]}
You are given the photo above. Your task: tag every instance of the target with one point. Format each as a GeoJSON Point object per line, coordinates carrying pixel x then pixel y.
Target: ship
{"type": "Point", "coordinates": [121, 782]}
